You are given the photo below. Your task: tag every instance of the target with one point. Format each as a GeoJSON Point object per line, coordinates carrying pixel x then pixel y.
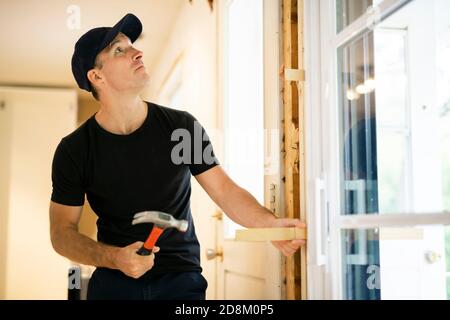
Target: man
{"type": "Point", "coordinates": [122, 160]}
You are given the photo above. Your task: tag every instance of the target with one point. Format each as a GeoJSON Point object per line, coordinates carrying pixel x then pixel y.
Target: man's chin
{"type": "Point", "coordinates": [143, 76]}
{"type": "Point", "coordinates": [142, 84]}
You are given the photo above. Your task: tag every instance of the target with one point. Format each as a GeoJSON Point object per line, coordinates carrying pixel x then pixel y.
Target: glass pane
{"type": "Point", "coordinates": [348, 11]}
{"type": "Point", "coordinates": [396, 263]}
{"type": "Point", "coordinates": [361, 257]}
{"type": "Point", "coordinates": [394, 106]}
{"type": "Point", "coordinates": [358, 126]}
{"type": "Point", "coordinates": [393, 195]}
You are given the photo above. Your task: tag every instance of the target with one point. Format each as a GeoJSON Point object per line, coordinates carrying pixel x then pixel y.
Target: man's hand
{"type": "Point", "coordinates": [288, 247]}
{"type": "Point", "coordinates": [132, 264]}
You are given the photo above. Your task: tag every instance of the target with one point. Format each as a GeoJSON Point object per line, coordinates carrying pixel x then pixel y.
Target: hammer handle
{"type": "Point", "coordinates": [144, 252]}
{"type": "Point", "coordinates": [147, 248]}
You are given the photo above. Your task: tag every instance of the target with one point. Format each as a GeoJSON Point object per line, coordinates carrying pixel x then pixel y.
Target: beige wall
{"type": "Point", "coordinates": [5, 162]}
{"type": "Point", "coordinates": [193, 45]}
{"type": "Point", "coordinates": [87, 224]}
{"type": "Point", "coordinates": [37, 119]}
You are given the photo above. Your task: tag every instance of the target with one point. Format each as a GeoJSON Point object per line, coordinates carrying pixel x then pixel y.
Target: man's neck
{"type": "Point", "coordinates": [121, 115]}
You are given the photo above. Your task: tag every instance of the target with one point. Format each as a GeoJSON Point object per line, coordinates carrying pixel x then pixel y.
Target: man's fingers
{"type": "Point", "coordinates": [279, 244]}
{"type": "Point", "coordinates": [291, 222]}
{"type": "Point", "coordinates": [288, 252]}
{"type": "Point", "coordinates": [297, 223]}
{"type": "Point", "coordinates": [294, 223]}
{"type": "Point", "coordinates": [298, 242]}
{"type": "Point", "coordinates": [295, 244]}
{"type": "Point", "coordinates": [288, 247]}
{"type": "Point", "coordinates": [301, 224]}
{"type": "Point", "coordinates": [137, 244]}
{"type": "Point", "coordinates": [291, 248]}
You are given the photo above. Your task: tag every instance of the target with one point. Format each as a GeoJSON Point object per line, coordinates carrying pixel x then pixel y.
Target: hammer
{"type": "Point", "coordinates": [160, 222]}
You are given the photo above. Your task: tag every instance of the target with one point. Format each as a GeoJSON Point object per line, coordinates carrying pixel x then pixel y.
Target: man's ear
{"type": "Point", "coordinates": [94, 76]}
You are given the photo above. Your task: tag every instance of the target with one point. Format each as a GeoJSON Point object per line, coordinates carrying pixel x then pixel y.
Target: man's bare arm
{"type": "Point", "coordinates": [235, 201]}
{"type": "Point", "coordinates": [243, 208]}
{"type": "Point", "coordinates": [68, 242]}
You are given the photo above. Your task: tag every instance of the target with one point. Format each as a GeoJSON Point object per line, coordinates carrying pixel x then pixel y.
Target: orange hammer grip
{"type": "Point", "coordinates": [153, 237]}
{"type": "Point", "coordinates": [147, 248]}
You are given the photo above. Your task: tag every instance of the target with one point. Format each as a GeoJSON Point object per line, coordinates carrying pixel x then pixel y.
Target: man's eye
{"type": "Point", "coordinates": [118, 50]}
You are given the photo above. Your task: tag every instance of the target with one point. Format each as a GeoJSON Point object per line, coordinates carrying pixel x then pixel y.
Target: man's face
{"type": "Point", "coordinates": [121, 67]}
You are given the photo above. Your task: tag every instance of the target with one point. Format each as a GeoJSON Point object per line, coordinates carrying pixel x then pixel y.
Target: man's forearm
{"type": "Point", "coordinates": [244, 209]}
{"type": "Point", "coordinates": [71, 244]}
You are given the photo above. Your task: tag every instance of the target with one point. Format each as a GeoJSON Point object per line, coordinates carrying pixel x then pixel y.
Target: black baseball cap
{"type": "Point", "coordinates": [95, 40]}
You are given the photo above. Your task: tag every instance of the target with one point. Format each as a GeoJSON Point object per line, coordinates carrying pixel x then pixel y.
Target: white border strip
{"type": "Point", "coordinates": [372, 221]}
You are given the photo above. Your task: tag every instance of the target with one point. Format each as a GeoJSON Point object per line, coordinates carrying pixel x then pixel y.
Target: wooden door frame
{"type": "Point", "coordinates": [294, 269]}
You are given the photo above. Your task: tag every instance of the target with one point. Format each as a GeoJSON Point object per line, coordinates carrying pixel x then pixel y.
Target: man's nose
{"type": "Point", "coordinates": [137, 55]}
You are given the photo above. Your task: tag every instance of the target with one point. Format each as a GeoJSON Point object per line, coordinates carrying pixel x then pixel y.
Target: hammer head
{"type": "Point", "coordinates": [161, 219]}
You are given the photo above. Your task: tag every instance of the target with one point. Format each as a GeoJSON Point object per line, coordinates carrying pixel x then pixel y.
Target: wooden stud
{"type": "Point", "coordinates": [291, 154]}
{"type": "Point", "coordinates": [301, 137]}
{"type": "Point", "coordinates": [294, 138]}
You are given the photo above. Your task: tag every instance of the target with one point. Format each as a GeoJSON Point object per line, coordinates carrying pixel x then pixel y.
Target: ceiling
{"type": "Point", "coordinates": [36, 43]}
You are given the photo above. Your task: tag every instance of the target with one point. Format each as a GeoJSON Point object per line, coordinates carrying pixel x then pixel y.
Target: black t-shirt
{"type": "Point", "coordinates": [125, 174]}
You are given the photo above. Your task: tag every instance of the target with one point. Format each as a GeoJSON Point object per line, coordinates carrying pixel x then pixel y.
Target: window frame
{"type": "Point", "coordinates": [323, 170]}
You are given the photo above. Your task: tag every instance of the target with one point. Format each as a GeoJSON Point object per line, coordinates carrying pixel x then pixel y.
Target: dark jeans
{"type": "Point", "coordinates": [107, 284]}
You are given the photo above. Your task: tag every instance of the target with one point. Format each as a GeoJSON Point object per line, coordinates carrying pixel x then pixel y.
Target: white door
{"type": "Point", "coordinates": [385, 166]}
{"type": "Point", "coordinates": [32, 122]}
{"type": "Point", "coordinates": [250, 102]}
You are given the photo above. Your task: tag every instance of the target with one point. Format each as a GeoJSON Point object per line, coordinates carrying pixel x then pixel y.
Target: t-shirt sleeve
{"type": "Point", "coordinates": [66, 178]}
{"type": "Point", "coordinates": [202, 152]}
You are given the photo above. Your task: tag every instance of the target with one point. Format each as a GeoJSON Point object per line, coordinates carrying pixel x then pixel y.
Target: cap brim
{"type": "Point", "coordinates": [129, 25]}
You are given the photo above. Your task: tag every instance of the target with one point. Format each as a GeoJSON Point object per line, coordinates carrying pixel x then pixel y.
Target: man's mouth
{"type": "Point", "coordinates": [139, 66]}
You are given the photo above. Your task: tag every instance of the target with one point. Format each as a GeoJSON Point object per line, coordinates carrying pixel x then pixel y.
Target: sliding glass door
{"type": "Point", "coordinates": [386, 106]}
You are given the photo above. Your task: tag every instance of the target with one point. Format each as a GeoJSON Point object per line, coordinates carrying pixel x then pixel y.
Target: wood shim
{"type": "Point", "coordinates": [271, 234]}
{"type": "Point", "coordinates": [294, 75]}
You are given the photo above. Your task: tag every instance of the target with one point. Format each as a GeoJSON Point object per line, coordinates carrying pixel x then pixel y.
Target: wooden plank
{"type": "Point", "coordinates": [294, 146]}
{"type": "Point", "coordinates": [291, 160]}
{"type": "Point", "coordinates": [288, 270]}
{"type": "Point", "coordinates": [301, 137]}
{"type": "Point", "coordinates": [270, 234]}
